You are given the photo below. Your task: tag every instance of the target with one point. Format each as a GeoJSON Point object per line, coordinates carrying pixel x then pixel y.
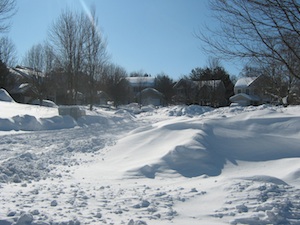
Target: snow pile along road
{"type": "Point", "coordinates": [173, 165]}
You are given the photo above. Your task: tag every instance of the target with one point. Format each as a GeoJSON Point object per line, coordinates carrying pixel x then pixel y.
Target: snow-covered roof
{"type": "Point", "coordinates": [185, 82]}
{"type": "Point", "coordinates": [28, 72]}
{"type": "Point", "coordinates": [141, 81]}
{"type": "Point", "coordinates": [15, 73]}
{"type": "Point", "coordinates": [150, 91]}
{"type": "Point", "coordinates": [245, 82]}
{"type": "Point", "coordinates": [22, 88]}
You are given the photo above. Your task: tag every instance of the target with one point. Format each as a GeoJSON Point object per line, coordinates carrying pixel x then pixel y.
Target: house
{"type": "Point", "coordinates": [249, 91]}
{"type": "Point", "coordinates": [204, 92]}
{"type": "Point", "coordinates": [102, 98]}
{"type": "Point", "coordinates": [28, 85]}
{"type": "Point", "coordinates": [24, 81]}
{"type": "Point", "coordinates": [150, 96]}
{"type": "Point", "coordinates": [22, 93]}
{"type": "Point", "coordinates": [185, 91]}
{"type": "Point", "coordinates": [137, 84]}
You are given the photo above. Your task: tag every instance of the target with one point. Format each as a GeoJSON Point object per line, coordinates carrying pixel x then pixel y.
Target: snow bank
{"type": "Point", "coordinates": [31, 123]}
{"type": "Point", "coordinates": [23, 117]}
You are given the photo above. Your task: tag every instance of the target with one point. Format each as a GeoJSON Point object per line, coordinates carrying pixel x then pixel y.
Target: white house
{"type": "Point", "coordinates": [249, 91]}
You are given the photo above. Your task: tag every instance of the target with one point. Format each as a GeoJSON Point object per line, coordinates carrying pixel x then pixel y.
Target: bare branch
{"type": "Point", "coordinates": [8, 51]}
{"type": "Point", "coordinates": [7, 10]}
{"type": "Point", "coordinates": [258, 29]}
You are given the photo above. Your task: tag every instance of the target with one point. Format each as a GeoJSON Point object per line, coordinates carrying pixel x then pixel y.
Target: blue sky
{"type": "Point", "coordinates": [152, 36]}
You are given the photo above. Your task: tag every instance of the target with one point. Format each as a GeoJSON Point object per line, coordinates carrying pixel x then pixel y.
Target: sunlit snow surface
{"type": "Point", "coordinates": [172, 165]}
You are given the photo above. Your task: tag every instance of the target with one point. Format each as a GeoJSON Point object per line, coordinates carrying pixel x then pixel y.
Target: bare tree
{"type": "Point", "coordinates": [256, 29]}
{"type": "Point", "coordinates": [34, 58]}
{"type": "Point", "coordinates": [80, 49]}
{"type": "Point", "coordinates": [41, 57]}
{"type": "Point", "coordinates": [8, 51]}
{"type": "Point", "coordinates": [214, 63]}
{"type": "Point", "coordinates": [7, 10]}
{"type": "Point", "coordinates": [66, 37]}
{"type": "Point", "coordinates": [113, 81]}
{"type": "Point", "coordinates": [50, 59]}
{"type": "Point", "coordinates": [95, 54]}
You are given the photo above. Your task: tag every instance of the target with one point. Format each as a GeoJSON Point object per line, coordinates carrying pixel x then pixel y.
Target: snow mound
{"type": "Point", "coordinates": [4, 96]}
{"type": "Point", "coordinates": [191, 147]}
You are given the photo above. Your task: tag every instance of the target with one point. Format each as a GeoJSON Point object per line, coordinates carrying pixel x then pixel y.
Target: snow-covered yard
{"type": "Point", "coordinates": [172, 165]}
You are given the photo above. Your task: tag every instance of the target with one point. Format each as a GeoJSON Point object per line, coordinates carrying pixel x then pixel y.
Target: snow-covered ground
{"type": "Point", "coordinates": [172, 165]}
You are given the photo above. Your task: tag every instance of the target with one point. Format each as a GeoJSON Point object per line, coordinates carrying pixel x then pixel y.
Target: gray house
{"type": "Point", "coordinates": [102, 98]}
{"type": "Point", "coordinates": [26, 82]}
{"type": "Point", "coordinates": [204, 92]}
{"type": "Point", "coordinates": [151, 96]}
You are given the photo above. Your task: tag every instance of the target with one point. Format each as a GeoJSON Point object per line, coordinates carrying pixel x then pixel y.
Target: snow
{"type": "Point", "coordinates": [141, 81]}
{"type": "Point", "coordinates": [170, 165]}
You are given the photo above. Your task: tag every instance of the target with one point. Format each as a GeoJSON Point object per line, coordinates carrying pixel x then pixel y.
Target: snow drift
{"type": "Point", "coordinates": [197, 146]}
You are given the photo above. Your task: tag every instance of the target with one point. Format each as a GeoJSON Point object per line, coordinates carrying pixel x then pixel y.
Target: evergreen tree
{"type": "Point", "coordinates": [164, 84]}
{"type": "Point", "coordinates": [216, 73]}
